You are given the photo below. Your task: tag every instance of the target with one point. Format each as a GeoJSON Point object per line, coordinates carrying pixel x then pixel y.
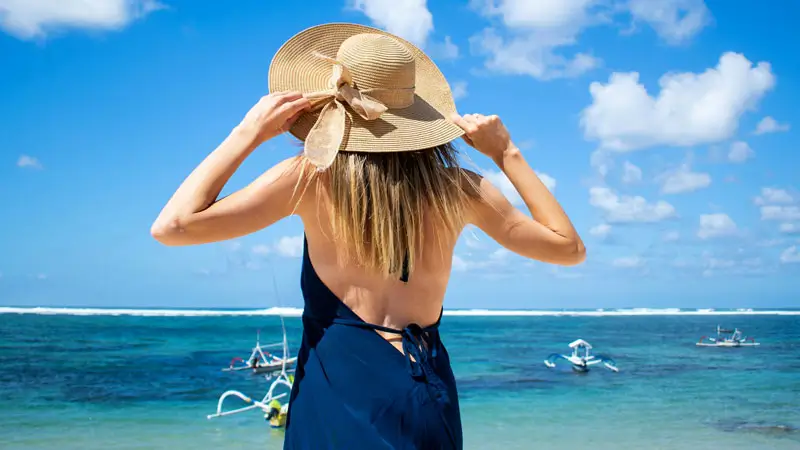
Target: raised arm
{"type": "Point", "coordinates": [194, 215]}
{"type": "Point", "coordinates": [549, 236]}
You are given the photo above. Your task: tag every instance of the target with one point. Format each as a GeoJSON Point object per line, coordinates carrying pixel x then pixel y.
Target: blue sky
{"type": "Point", "coordinates": [666, 128]}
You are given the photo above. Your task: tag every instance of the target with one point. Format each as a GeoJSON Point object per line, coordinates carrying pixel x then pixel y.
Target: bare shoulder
{"type": "Point", "coordinates": [291, 168]}
{"type": "Point", "coordinates": [305, 180]}
{"type": "Point", "coordinates": [292, 178]}
{"type": "Point", "coordinates": [468, 180]}
{"type": "Point", "coordinates": [478, 188]}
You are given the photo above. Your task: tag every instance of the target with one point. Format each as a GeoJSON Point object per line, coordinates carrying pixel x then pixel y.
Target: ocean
{"type": "Point", "coordinates": [146, 379]}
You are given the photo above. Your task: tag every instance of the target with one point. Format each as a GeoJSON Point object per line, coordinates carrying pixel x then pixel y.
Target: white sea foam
{"type": "Point", "coordinates": [619, 312]}
{"type": "Point", "coordinates": [296, 312]}
{"type": "Point", "coordinates": [275, 311]}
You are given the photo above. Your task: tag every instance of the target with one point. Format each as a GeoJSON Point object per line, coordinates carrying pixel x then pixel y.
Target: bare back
{"type": "Point", "coordinates": [195, 215]}
{"type": "Point", "coordinates": [375, 298]}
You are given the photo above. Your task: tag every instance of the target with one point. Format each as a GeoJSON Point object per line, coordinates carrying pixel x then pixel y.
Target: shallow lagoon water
{"type": "Point", "coordinates": [134, 382]}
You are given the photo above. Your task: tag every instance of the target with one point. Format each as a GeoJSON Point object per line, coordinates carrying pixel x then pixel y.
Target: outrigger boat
{"type": "Point", "coordinates": [733, 339]}
{"type": "Point", "coordinates": [275, 412]}
{"type": "Point", "coordinates": [581, 358]}
{"type": "Point", "coordinates": [262, 361]}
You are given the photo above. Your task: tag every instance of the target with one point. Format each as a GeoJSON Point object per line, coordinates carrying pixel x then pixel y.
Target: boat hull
{"type": "Point", "coordinates": [728, 344]}
{"type": "Point", "coordinates": [264, 368]}
{"type": "Point", "coordinates": [274, 367]}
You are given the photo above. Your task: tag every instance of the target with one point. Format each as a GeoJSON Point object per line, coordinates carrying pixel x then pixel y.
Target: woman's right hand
{"type": "Point", "coordinates": [486, 133]}
{"type": "Point", "coordinates": [273, 114]}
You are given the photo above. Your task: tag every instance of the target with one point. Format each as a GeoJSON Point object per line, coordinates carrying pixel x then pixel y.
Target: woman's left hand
{"type": "Point", "coordinates": [273, 114]}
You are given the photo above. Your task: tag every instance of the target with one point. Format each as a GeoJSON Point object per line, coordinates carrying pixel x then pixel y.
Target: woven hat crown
{"type": "Point", "coordinates": [377, 62]}
{"type": "Point", "coordinates": [369, 90]}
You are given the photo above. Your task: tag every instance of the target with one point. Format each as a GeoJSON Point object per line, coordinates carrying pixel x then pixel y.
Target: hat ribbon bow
{"type": "Point", "coordinates": [326, 136]}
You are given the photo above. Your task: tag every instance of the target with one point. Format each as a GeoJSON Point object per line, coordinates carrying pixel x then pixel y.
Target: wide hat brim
{"type": "Point", "coordinates": [422, 125]}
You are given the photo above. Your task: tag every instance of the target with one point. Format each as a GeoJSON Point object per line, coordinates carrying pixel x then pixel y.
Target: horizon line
{"type": "Point", "coordinates": [477, 312]}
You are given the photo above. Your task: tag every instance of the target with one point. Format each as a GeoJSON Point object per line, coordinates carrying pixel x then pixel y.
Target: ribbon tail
{"type": "Point", "coordinates": [326, 136]}
{"type": "Point", "coordinates": [319, 99]}
{"type": "Point", "coordinates": [366, 106]}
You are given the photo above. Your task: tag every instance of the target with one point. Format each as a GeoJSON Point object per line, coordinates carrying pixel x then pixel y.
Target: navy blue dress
{"type": "Point", "coordinates": [354, 390]}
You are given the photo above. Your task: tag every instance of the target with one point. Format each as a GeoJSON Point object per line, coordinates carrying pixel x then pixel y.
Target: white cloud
{"type": "Point", "coordinates": [290, 246]}
{"type": "Point", "coordinates": [602, 230]}
{"type": "Point", "coordinates": [537, 31]}
{"type": "Point", "coordinates": [565, 272]}
{"type": "Point", "coordinates": [752, 262]}
{"type": "Point", "coordinates": [470, 234]}
{"type": "Point", "coordinates": [683, 180]}
{"type": "Point", "coordinates": [680, 262]}
{"type": "Point", "coordinates": [501, 181]}
{"type": "Point", "coordinates": [690, 109]}
{"type": "Point", "coordinates": [261, 249]}
{"type": "Point", "coordinates": [602, 161]}
{"type": "Point", "coordinates": [790, 255]}
{"type": "Point", "coordinates": [531, 54]}
{"type": "Point", "coordinates": [252, 265]}
{"type": "Point", "coordinates": [770, 125]}
{"type": "Point", "coordinates": [777, 204]}
{"type": "Point", "coordinates": [789, 228]}
{"type": "Point", "coordinates": [771, 196]}
{"type": "Point", "coordinates": [28, 162]}
{"type": "Point", "coordinates": [716, 263]}
{"type": "Point", "coordinates": [712, 265]}
{"type": "Point", "coordinates": [499, 255]}
{"type": "Point", "coordinates": [675, 21]}
{"type": "Point", "coordinates": [409, 19]}
{"type": "Point", "coordinates": [27, 19]}
{"type": "Point", "coordinates": [782, 213]}
{"type": "Point", "coordinates": [671, 236]}
{"type": "Point", "coordinates": [495, 259]}
{"type": "Point", "coordinates": [542, 14]}
{"type": "Point", "coordinates": [459, 90]}
{"type": "Point", "coordinates": [459, 265]}
{"type": "Point", "coordinates": [716, 225]}
{"type": "Point", "coordinates": [443, 50]}
{"type": "Point", "coordinates": [631, 174]}
{"type": "Point", "coordinates": [628, 262]}
{"type": "Point", "coordinates": [535, 34]}
{"type": "Point", "coordinates": [621, 209]}
{"type": "Point", "coordinates": [740, 152]}
{"type": "Point", "coordinates": [771, 242]}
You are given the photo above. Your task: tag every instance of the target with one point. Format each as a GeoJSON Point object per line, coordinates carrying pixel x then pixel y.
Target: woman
{"type": "Point", "coordinates": [383, 201]}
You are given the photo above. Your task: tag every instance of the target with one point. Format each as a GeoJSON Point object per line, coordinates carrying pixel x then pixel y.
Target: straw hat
{"type": "Point", "coordinates": [370, 91]}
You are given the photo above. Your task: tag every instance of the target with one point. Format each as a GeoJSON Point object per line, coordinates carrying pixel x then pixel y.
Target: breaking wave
{"type": "Point", "coordinates": [297, 312]}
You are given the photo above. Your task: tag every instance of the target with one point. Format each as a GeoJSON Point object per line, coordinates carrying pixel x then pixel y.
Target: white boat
{"type": "Point", "coordinates": [275, 403]}
{"type": "Point", "coordinates": [261, 361]}
{"type": "Point", "coordinates": [581, 358]}
{"type": "Point", "coordinates": [727, 338]}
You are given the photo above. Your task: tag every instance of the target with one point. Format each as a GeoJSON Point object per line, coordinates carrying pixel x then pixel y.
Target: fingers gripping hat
{"type": "Point", "coordinates": [370, 91]}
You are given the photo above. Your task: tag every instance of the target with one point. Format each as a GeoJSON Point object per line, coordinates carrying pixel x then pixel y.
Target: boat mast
{"type": "Point", "coordinates": [283, 323]}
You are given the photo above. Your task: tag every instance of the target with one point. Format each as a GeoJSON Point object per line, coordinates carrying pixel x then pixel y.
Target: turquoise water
{"type": "Point", "coordinates": [130, 382]}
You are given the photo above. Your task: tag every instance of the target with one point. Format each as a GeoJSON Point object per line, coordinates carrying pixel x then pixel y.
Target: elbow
{"type": "Point", "coordinates": [166, 231]}
{"type": "Point", "coordinates": [575, 253]}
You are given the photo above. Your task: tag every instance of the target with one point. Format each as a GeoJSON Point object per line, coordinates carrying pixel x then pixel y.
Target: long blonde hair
{"type": "Point", "coordinates": [382, 202]}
